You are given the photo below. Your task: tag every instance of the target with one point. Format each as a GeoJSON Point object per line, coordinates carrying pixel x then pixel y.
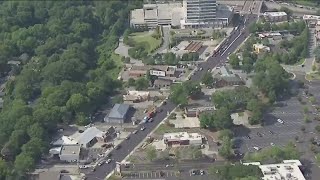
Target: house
{"type": "Point", "coordinates": [182, 138]}
{"type": "Point", "coordinates": [90, 136]}
{"type": "Point", "coordinates": [226, 78]}
{"type": "Point", "coordinates": [49, 175]}
{"type": "Point", "coordinates": [118, 114]}
{"type": "Point", "coordinates": [136, 96]}
{"type": "Point", "coordinates": [162, 83]}
{"type": "Point", "coordinates": [275, 16]}
{"type": "Point", "coordinates": [138, 71]}
{"type": "Point", "coordinates": [258, 48]}
{"type": "Point", "coordinates": [191, 112]}
{"type": "Point", "coordinates": [70, 153]}
{"type": "Point", "coordinates": [229, 81]}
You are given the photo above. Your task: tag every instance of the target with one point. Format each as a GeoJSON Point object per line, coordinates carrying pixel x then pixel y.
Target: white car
{"type": "Point", "coordinates": [143, 128]}
{"type": "Point", "coordinates": [83, 167]}
{"type": "Point", "coordinates": [280, 121]}
{"type": "Point", "coordinates": [272, 144]}
{"type": "Point", "coordinates": [108, 161]}
{"type": "Point", "coordinates": [256, 148]}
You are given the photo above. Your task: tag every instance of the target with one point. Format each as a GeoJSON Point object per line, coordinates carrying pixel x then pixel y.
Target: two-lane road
{"type": "Point", "coordinates": [228, 46]}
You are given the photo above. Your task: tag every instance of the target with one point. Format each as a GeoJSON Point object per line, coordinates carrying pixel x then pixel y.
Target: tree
{"type": "Point", "coordinates": [24, 163]}
{"type": "Point", "coordinates": [286, 10]}
{"type": "Point", "coordinates": [141, 84]}
{"type": "Point", "coordinates": [234, 61]}
{"type": "Point", "coordinates": [78, 103]}
{"type": "Point", "coordinates": [225, 133]}
{"type": "Point", "coordinates": [4, 169]}
{"type": "Point", "coordinates": [316, 53]}
{"type": "Point", "coordinates": [226, 148]}
{"type": "Point", "coordinates": [131, 82]}
{"type": "Point", "coordinates": [151, 153]}
{"type": "Point", "coordinates": [317, 128]}
{"type": "Point", "coordinates": [236, 172]}
{"type": "Point", "coordinates": [207, 79]}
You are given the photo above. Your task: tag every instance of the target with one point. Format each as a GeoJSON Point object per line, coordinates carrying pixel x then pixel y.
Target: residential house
{"type": "Point", "coordinates": [182, 138]}
{"type": "Point", "coordinates": [136, 96]}
{"type": "Point", "coordinates": [70, 153]}
{"type": "Point", "coordinates": [90, 136]}
{"type": "Point", "coordinates": [226, 78]}
{"type": "Point", "coordinates": [191, 112]}
{"type": "Point", "coordinates": [118, 114]}
{"type": "Point", "coordinates": [138, 71]}
{"type": "Point", "coordinates": [259, 48]}
{"type": "Point", "coordinates": [162, 83]}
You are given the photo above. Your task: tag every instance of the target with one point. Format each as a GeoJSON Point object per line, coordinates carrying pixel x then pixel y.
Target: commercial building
{"type": "Point", "coordinates": [70, 153]}
{"type": "Point", "coordinates": [136, 96]}
{"type": "Point", "coordinates": [182, 138]}
{"type": "Point", "coordinates": [90, 136]}
{"type": "Point", "coordinates": [118, 114]}
{"type": "Point", "coordinates": [156, 70]}
{"type": "Point", "coordinates": [189, 14]}
{"type": "Point", "coordinates": [153, 15]}
{"type": "Point", "coordinates": [287, 170]}
{"type": "Point", "coordinates": [275, 16]}
{"type": "Point", "coordinates": [162, 83]}
{"type": "Point", "coordinates": [199, 13]}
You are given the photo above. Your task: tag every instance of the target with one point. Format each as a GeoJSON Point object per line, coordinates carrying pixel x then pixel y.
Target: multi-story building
{"type": "Point", "coordinates": [275, 16]}
{"type": "Point", "coordinates": [199, 13]}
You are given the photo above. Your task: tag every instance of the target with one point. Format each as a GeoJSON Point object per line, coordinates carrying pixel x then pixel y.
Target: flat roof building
{"type": "Point", "coordinates": [182, 138]}
{"type": "Point", "coordinates": [275, 16]}
{"type": "Point", "coordinates": [70, 153]}
{"type": "Point", "coordinates": [152, 15]}
{"type": "Point", "coordinates": [118, 114]}
{"type": "Point", "coordinates": [287, 170]}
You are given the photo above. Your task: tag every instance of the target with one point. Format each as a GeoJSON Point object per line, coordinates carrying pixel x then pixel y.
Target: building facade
{"type": "Point", "coordinates": [182, 138]}
{"type": "Point", "coordinates": [275, 16]}
{"type": "Point", "coordinates": [199, 13]}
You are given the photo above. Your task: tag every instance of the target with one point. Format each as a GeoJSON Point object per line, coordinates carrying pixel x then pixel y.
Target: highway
{"type": "Point", "coordinates": [228, 46]}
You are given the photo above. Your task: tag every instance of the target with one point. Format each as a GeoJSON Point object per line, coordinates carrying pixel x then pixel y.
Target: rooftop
{"type": "Point", "coordinates": [287, 170]}
{"type": "Point", "coordinates": [275, 14]}
{"type": "Point", "coordinates": [182, 136]}
{"type": "Point", "coordinates": [161, 81]}
{"type": "Point", "coordinates": [88, 135]}
{"type": "Point", "coordinates": [64, 140]}
{"type": "Point", "coordinates": [311, 17]}
{"type": "Point", "coordinates": [119, 111]}
{"type": "Point", "coordinates": [70, 149]}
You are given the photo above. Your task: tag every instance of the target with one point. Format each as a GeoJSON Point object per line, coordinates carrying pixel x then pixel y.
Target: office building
{"type": "Point", "coordinates": [199, 13]}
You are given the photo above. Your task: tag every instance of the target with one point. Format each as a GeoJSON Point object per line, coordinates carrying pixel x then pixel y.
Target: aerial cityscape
{"type": "Point", "coordinates": [160, 89]}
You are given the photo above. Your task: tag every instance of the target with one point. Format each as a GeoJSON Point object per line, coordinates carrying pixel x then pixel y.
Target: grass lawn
{"type": "Point", "coordinates": [313, 76]}
{"type": "Point", "coordinates": [146, 37]}
{"type": "Point", "coordinates": [306, 3]}
{"type": "Point", "coordinates": [300, 62]}
{"type": "Point", "coordinates": [114, 73]}
{"type": "Point", "coordinates": [163, 128]}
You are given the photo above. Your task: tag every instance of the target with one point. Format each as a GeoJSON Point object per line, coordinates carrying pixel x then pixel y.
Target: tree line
{"type": "Point", "coordinates": [67, 78]}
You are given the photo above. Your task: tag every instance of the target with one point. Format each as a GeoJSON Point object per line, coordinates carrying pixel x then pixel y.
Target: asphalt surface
{"type": "Point", "coordinates": [228, 46]}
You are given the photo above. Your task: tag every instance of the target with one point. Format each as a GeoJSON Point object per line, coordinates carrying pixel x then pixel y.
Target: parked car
{"type": "Point", "coordinates": [142, 128]}
{"type": "Point", "coordinates": [108, 161]}
{"type": "Point", "coordinates": [135, 131]}
{"type": "Point", "coordinates": [280, 121]}
{"type": "Point", "coordinates": [83, 167]}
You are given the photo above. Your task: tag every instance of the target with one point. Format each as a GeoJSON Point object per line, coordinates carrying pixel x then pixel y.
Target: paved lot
{"type": "Point", "coordinates": [150, 175]}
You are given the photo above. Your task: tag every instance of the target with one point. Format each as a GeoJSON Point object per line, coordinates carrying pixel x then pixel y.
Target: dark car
{"type": "Point", "coordinates": [259, 134]}
{"type": "Point", "coordinates": [271, 132]}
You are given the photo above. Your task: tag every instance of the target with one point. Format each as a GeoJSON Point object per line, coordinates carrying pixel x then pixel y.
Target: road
{"type": "Point", "coordinates": [229, 45]}
{"type": "Point", "coordinates": [304, 10]}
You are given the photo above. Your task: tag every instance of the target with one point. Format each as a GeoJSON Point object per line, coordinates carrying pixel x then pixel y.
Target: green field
{"type": "Point", "coordinates": [115, 71]}
{"type": "Point", "coordinates": [307, 3]}
{"type": "Point", "coordinates": [146, 37]}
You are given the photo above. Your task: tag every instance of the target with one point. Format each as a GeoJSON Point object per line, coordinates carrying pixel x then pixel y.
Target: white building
{"type": "Point", "coordinates": [275, 16]}
{"type": "Point", "coordinates": [287, 170]}
{"type": "Point", "coordinates": [70, 153]}
{"type": "Point", "coordinates": [182, 138]}
{"type": "Point", "coordinates": [152, 15]}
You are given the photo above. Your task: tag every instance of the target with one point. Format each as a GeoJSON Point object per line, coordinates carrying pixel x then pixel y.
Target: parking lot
{"type": "Point", "coordinates": [149, 175]}
{"type": "Point", "coordinates": [274, 132]}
